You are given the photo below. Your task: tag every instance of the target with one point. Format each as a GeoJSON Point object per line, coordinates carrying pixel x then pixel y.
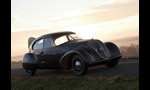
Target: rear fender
{"type": "Point", "coordinates": [30, 58]}
{"type": "Point", "coordinates": [65, 61]}
{"type": "Point", "coordinates": [29, 61]}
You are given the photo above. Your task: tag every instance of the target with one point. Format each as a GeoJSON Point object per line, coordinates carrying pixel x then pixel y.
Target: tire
{"type": "Point", "coordinates": [112, 63]}
{"type": "Point", "coordinates": [31, 72]}
{"type": "Point", "coordinates": [79, 67]}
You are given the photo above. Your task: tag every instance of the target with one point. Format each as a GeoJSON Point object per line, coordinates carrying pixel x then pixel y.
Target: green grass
{"type": "Point", "coordinates": [75, 83]}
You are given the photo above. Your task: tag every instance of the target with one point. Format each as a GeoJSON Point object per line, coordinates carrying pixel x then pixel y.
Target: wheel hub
{"type": "Point", "coordinates": [78, 65]}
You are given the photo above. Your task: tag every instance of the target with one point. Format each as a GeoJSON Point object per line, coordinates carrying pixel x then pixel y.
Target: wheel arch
{"type": "Point", "coordinates": [113, 48]}
{"type": "Point", "coordinates": [65, 61]}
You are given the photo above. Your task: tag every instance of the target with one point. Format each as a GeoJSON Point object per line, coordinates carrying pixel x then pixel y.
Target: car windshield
{"type": "Point", "coordinates": [73, 37]}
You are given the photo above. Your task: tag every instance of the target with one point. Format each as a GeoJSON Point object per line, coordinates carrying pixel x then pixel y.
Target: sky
{"type": "Point", "coordinates": [102, 19]}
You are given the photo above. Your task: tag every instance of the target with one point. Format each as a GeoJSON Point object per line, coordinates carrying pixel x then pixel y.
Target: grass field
{"type": "Point", "coordinates": [75, 83]}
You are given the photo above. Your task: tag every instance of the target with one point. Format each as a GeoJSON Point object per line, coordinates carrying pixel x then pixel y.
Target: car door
{"type": "Point", "coordinates": [53, 52]}
{"type": "Point", "coordinates": [50, 58]}
{"type": "Point", "coordinates": [38, 51]}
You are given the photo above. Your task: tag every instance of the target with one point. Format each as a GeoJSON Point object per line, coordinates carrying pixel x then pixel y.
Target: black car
{"type": "Point", "coordinates": [65, 50]}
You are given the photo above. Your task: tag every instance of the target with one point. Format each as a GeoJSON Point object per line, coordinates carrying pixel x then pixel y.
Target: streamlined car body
{"type": "Point", "coordinates": [65, 50]}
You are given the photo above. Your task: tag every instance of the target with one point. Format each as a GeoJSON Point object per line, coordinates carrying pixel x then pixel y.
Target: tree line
{"type": "Point", "coordinates": [130, 51]}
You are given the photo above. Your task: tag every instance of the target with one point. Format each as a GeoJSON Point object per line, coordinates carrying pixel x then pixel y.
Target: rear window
{"type": "Point", "coordinates": [38, 44]}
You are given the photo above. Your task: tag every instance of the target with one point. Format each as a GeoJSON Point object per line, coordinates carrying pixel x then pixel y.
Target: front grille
{"type": "Point", "coordinates": [102, 53]}
{"type": "Point", "coordinates": [99, 47]}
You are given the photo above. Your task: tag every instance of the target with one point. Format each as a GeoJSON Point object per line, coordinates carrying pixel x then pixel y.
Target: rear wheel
{"type": "Point", "coordinates": [79, 67]}
{"type": "Point", "coordinates": [112, 63]}
{"type": "Point", "coordinates": [31, 71]}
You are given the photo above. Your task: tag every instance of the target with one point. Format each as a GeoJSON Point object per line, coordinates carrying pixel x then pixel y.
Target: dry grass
{"type": "Point", "coordinates": [75, 83]}
{"type": "Point", "coordinates": [16, 65]}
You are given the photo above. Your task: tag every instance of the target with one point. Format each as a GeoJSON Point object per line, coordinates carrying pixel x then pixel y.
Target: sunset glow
{"type": "Point", "coordinates": [101, 19]}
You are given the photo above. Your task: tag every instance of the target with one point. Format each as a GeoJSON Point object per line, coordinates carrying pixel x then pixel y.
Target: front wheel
{"type": "Point", "coordinates": [112, 63]}
{"type": "Point", "coordinates": [31, 72]}
{"type": "Point", "coordinates": [79, 67]}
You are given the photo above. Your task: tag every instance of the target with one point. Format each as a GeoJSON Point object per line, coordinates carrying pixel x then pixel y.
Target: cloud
{"type": "Point", "coordinates": [16, 20]}
{"type": "Point", "coordinates": [116, 29]}
{"type": "Point", "coordinates": [104, 12]}
{"type": "Point", "coordinates": [109, 11]}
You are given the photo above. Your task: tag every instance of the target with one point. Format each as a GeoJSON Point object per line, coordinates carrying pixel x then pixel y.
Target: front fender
{"type": "Point", "coordinates": [65, 61]}
{"type": "Point", "coordinates": [114, 50]}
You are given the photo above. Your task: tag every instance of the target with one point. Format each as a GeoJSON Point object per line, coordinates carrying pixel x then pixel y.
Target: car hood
{"type": "Point", "coordinates": [84, 40]}
{"type": "Point", "coordinates": [79, 42]}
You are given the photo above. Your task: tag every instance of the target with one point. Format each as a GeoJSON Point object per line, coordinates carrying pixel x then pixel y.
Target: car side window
{"type": "Point", "coordinates": [48, 42]}
{"type": "Point", "coordinates": [38, 44]}
{"type": "Point", "coordinates": [61, 40]}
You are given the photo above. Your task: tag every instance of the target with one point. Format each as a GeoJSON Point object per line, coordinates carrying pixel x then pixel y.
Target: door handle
{"type": "Point", "coordinates": [41, 52]}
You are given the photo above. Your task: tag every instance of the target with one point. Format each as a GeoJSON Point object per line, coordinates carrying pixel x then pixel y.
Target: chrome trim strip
{"type": "Point", "coordinates": [95, 50]}
{"type": "Point", "coordinates": [107, 53]}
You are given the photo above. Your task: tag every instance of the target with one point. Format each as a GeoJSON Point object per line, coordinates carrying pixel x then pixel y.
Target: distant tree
{"type": "Point", "coordinates": [130, 51]}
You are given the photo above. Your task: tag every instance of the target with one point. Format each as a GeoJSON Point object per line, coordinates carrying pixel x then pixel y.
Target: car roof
{"type": "Point", "coordinates": [56, 34]}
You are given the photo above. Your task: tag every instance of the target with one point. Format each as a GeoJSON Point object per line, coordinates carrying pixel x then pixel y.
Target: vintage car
{"type": "Point", "coordinates": [65, 50]}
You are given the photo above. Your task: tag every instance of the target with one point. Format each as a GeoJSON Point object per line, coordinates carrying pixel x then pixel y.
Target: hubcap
{"type": "Point", "coordinates": [29, 71]}
{"type": "Point", "coordinates": [78, 65]}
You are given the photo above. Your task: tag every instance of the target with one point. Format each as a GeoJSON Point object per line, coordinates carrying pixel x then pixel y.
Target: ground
{"type": "Point", "coordinates": [125, 76]}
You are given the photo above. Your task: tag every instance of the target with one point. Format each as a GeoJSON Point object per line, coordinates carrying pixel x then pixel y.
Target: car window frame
{"type": "Point", "coordinates": [69, 36]}
{"type": "Point", "coordinates": [61, 43]}
{"type": "Point", "coordinates": [36, 42]}
{"type": "Point", "coordinates": [51, 41]}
